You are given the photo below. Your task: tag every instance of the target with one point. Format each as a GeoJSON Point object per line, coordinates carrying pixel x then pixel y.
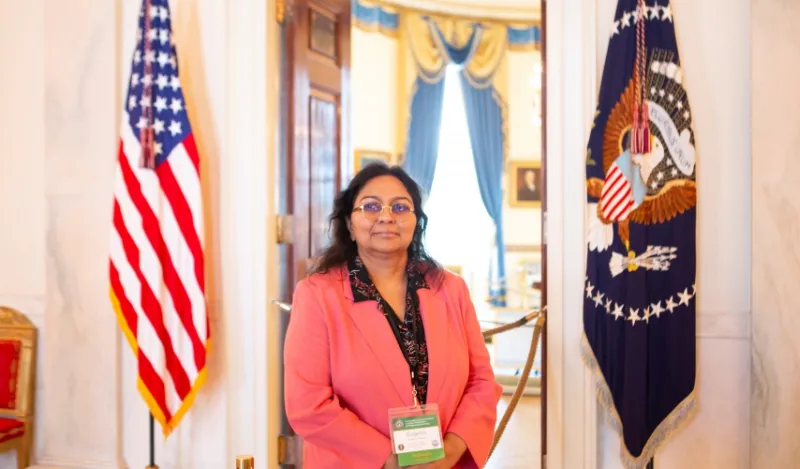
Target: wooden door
{"type": "Point", "coordinates": [315, 162]}
{"type": "Point", "coordinates": [318, 59]}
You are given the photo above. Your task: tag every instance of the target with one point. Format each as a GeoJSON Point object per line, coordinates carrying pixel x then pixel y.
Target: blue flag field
{"type": "Point", "coordinates": [640, 292]}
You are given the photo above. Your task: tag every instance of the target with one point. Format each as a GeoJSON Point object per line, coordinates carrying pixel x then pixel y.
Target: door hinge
{"type": "Point", "coordinates": [283, 229]}
{"type": "Point", "coordinates": [287, 449]}
{"type": "Point", "coordinates": [284, 11]}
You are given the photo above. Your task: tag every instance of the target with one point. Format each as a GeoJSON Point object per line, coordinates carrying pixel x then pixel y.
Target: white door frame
{"type": "Point", "coordinates": [572, 418]}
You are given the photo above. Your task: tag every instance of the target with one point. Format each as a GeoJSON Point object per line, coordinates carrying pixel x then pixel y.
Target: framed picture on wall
{"type": "Point", "coordinates": [525, 184]}
{"type": "Point", "coordinates": [365, 157]}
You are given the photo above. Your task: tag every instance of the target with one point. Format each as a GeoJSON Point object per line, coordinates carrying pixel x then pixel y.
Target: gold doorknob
{"type": "Point", "coordinates": [245, 462]}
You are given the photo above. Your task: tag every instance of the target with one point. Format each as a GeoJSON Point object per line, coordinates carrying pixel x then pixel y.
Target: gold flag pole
{"type": "Point", "coordinates": [245, 461]}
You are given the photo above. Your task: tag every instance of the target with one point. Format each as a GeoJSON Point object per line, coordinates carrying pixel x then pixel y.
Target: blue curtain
{"type": "Point", "coordinates": [485, 121]}
{"type": "Point", "coordinates": [422, 146]}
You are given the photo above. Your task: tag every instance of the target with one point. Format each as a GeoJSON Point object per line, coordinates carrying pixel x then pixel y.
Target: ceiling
{"type": "Point", "coordinates": [507, 10]}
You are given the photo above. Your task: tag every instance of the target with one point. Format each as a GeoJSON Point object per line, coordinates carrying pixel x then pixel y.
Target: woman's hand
{"type": "Point", "coordinates": [391, 463]}
{"type": "Point", "coordinates": [454, 449]}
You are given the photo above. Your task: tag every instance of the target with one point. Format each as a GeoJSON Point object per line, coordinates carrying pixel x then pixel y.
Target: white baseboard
{"type": "Point", "coordinates": [49, 462]}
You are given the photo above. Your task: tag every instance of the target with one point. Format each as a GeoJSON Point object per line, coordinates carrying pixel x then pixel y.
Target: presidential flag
{"type": "Point", "coordinates": [640, 293]}
{"type": "Point", "coordinates": [156, 257]}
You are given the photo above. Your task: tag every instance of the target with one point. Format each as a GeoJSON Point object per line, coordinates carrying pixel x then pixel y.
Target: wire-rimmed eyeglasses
{"type": "Point", "coordinates": [374, 210]}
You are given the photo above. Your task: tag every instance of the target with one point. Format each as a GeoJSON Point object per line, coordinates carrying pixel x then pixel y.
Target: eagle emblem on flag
{"type": "Point", "coordinates": [656, 186]}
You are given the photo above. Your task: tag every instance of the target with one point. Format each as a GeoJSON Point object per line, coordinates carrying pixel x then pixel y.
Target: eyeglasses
{"type": "Point", "coordinates": [373, 210]}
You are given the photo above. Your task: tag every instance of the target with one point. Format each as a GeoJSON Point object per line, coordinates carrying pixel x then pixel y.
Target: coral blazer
{"type": "Point", "coordinates": [343, 371]}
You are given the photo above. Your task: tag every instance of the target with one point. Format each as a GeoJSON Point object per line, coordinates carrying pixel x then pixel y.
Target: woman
{"type": "Point", "coordinates": [379, 325]}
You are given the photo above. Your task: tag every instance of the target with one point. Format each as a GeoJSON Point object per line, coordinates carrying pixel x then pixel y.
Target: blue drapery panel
{"type": "Point", "coordinates": [422, 145]}
{"type": "Point", "coordinates": [485, 121]}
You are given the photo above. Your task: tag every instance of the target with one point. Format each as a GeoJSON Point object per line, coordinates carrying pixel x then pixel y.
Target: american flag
{"type": "Point", "coordinates": [616, 199]}
{"type": "Point", "coordinates": [156, 256]}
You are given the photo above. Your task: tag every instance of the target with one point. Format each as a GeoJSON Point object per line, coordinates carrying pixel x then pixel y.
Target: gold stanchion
{"type": "Point", "coordinates": [245, 462]}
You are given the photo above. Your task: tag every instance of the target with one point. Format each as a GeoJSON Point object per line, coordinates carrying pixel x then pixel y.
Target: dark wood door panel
{"type": "Point", "coordinates": [318, 43]}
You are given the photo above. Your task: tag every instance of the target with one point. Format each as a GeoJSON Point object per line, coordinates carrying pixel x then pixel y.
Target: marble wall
{"type": "Point", "coordinates": [59, 121]}
{"type": "Point", "coordinates": [23, 199]}
{"type": "Point", "coordinates": [717, 67]}
{"type": "Point", "coordinates": [775, 407]}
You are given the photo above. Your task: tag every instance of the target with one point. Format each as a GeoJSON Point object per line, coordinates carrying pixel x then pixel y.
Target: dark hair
{"type": "Point", "coordinates": [342, 247]}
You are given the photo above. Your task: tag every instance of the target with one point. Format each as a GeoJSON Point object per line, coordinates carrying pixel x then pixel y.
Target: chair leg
{"type": "Point", "coordinates": [23, 456]}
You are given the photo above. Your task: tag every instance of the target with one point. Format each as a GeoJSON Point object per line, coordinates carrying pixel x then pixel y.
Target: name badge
{"type": "Point", "coordinates": [416, 434]}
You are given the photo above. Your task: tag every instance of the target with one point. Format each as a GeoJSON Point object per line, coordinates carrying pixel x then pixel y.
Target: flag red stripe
{"type": "Point", "coordinates": [151, 306]}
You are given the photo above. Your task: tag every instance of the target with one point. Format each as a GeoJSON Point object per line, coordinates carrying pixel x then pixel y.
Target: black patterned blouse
{"type": "Point", "coordinates": [410, 333]}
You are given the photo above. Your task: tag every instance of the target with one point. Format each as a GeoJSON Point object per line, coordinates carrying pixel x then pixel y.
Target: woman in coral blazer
{"type": "Point", "coordinates": [377, 325]}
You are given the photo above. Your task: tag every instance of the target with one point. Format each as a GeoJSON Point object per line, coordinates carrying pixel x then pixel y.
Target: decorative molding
{"type": "Point", "coordinates": [592, 414]}
{"type": "Point", "coordinates": [723, 324]}
{"type": "Point", "coordinates": [502, 11]}
{"type": "Point", "coordinates": [571, 94]}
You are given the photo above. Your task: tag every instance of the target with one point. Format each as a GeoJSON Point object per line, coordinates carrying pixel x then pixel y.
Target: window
{"type": "Point", "coordinates": [460, 232]}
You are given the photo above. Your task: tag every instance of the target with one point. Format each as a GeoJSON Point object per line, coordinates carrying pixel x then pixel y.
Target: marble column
{"type": "Point", "coordinates": [80, 344]}
{"type": "Point", "coordinates": [775, 409]}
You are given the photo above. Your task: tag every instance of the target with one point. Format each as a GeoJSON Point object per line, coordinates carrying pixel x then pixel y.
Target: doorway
{"type": "Point", "coordinates": [330, 114]}
{"type": "Point", "coordinates": [314, 161]}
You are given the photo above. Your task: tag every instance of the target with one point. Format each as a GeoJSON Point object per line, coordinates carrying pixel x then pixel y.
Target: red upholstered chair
{"type": "Point", "coordinates": [17, 384]}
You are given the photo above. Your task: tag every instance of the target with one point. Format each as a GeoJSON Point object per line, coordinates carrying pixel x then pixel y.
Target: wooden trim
{"type": "Point", "coordinates": [543, 385]}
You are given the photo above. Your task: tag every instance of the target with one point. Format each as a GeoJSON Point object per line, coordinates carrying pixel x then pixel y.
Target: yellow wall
{"type": "Point", "coordinates": [374, 91]}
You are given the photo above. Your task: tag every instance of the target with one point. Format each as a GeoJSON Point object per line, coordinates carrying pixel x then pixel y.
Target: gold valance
{"type": "Point", "coordinates": [431, 38]}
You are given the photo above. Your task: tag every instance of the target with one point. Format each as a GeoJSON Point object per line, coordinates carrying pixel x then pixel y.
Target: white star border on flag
{"type": "Point", "coordinates": [674, 302]}
{"type": "Point", "coordinates": [629, 18]}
